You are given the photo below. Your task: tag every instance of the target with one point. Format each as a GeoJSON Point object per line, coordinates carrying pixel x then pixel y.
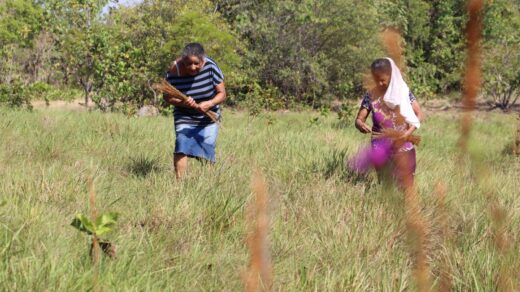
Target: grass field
{"type": "Point", "coordinates": [331, 231]}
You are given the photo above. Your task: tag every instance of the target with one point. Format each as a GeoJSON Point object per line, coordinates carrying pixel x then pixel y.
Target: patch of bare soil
{"type": "Point", "coordinates": [74, 105]}
{"type": "Point", "coordinates": [440, 105]}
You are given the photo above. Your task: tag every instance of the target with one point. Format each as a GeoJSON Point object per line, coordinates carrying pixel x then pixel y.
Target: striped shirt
{"type": "Point", "coordinates": [200, 87]}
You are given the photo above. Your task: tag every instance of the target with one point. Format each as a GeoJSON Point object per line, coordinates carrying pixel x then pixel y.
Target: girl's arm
{"type": "Point", "coordinates": [417, 110]}
{"type": "Point", "coordinates": [408, 132]}
{"type": "Point", "coordinates": [361, 119]}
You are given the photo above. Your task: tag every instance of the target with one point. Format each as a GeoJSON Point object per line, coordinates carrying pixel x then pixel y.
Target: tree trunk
{"type": "Point", "coordinates": [87, 99]}
{"type": "Point", "coordinates": [87, 88]}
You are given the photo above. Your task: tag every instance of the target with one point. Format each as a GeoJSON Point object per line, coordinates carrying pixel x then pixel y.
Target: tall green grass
{"type": "Point", "coordinates": [330, 229]}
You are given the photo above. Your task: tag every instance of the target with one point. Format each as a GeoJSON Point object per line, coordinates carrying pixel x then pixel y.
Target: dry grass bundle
{"type": "Point", "coordinates": [368, 82]}
{"type": "Point", "coordinates": [259, 274]}
{"type": "Point", "coordinates": [393, 44]}
{"type": "Point", "coordinates": [472, 82]}
{"type": "Point", "coordinates": [396, 136]}
{"type": "Point", "coordinates": [166, 88]}
{"type": "Point", "coordinates": [417, 227]}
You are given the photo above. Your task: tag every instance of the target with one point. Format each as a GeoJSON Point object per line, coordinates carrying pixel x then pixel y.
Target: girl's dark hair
{"type": "Point", "coordinates": [193, 49]}
{"type": "Point", "coordinates": [381, 65]}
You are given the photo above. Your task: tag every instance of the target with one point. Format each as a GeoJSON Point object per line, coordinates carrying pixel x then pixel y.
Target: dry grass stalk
{"type": "Point", "coordinates": [446, 280]}
{"type": "Point", "coordinates": [166, 88]}
{"type": "Point", "coordinates": [95, 249]}
{"type": "Point", "coordinates": [368, 82]}
{"type": "Point", "coordinates": [417, 228]}
{"type": "Point", "coordinates": [498, 216]}
{"type": "Point", "coordinates": [473, 73]}
{"type": "Point", "coordinates": [93, 216]}
{"type": "Point", "coordinates": [516, 146]}
{"type": "Point", "coordinates": [259, 274]}
{"type": "Point", "coordinates": [393, 44]}
{"type": "Point", "coordinates": [503, 244]}
{"type": "Point", "coordinates": [472, 80]}
{"type": "Point", "coordinates": [418, 233]}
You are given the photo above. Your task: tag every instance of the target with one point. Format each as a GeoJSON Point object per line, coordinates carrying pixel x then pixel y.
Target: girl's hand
{"type": "Point", "coordinates": [406, 135]}
{"type": "Point", "coordinates": [408, 132]}
{"type": "Point", "coordinates": [363, 127]}
{"type": "Point", "coordinates": [205, 106]}
{"type": "Point", "coordinates": [377, 135]}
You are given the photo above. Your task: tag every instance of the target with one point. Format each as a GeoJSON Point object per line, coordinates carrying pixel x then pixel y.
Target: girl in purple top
{"type": "Point", "coordinates": [384, 153]}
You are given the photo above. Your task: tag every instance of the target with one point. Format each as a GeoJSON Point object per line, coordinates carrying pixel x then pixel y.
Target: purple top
{"type": "Point", "coordinates": [384, 118]}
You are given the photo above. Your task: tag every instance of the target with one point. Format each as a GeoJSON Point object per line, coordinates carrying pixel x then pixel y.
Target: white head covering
{"type": "Point", "coordinates": [398, 94]}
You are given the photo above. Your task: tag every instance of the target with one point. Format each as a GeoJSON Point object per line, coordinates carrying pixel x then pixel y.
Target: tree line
{"type": "Point", "coordinates": [275, 53]}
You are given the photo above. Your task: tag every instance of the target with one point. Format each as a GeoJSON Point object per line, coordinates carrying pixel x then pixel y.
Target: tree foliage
{"type": "Point", "coordinates": [149, 36]}
{"type": "Point", "coordinates": [310, 51]}
{"type": "Point", "coordinates": [274, 54]}
{"type": "Point", "coordinates": [502, 53]}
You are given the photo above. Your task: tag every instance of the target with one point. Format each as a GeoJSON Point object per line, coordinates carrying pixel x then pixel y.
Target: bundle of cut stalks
{"type": "Point", "coordinates": [396, 135]}
{"type": "Point", "coordinates": [166, 88]}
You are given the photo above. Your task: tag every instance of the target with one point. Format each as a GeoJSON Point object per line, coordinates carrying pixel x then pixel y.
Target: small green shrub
{"type": "Point", "coordinates": [15, 95]}
{"type": "Point", "coordinates": [346, 113]}
{"type": "Point", "coordinates": [103, 225]}
{"type": "Point", "coordinates": [141, 166]}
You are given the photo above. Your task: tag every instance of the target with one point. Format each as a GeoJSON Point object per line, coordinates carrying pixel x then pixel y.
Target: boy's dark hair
{"type": "Point", "coordinates": [381, 65]}
{"type": "Point", "coordinates": [193, 49]}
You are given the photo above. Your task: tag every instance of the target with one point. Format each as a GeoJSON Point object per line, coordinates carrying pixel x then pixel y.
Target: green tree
{"type": "Point", "coordinates": [311, 51]}
{"type": "Point", "coordinates": [75, 28]}
{"type": "Point", "coordinates": [502, 53]}
{"type": "Point", "coordinates": [147, 37]}
{"type": "Point", "coordinates": [433, 32]}
{"type": "Point", "coordinates": [20, 24]}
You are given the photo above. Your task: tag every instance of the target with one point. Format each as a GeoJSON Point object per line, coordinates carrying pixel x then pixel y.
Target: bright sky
{"type": "Point", "coordinates": [121, 2]}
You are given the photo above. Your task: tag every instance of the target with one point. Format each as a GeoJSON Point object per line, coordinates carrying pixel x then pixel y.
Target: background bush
{"type": "Point", "coordinates": [275, 54]}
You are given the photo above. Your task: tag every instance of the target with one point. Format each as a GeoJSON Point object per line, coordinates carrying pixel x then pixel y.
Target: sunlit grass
{"type": "Point", "coordinates": [330, 230]}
